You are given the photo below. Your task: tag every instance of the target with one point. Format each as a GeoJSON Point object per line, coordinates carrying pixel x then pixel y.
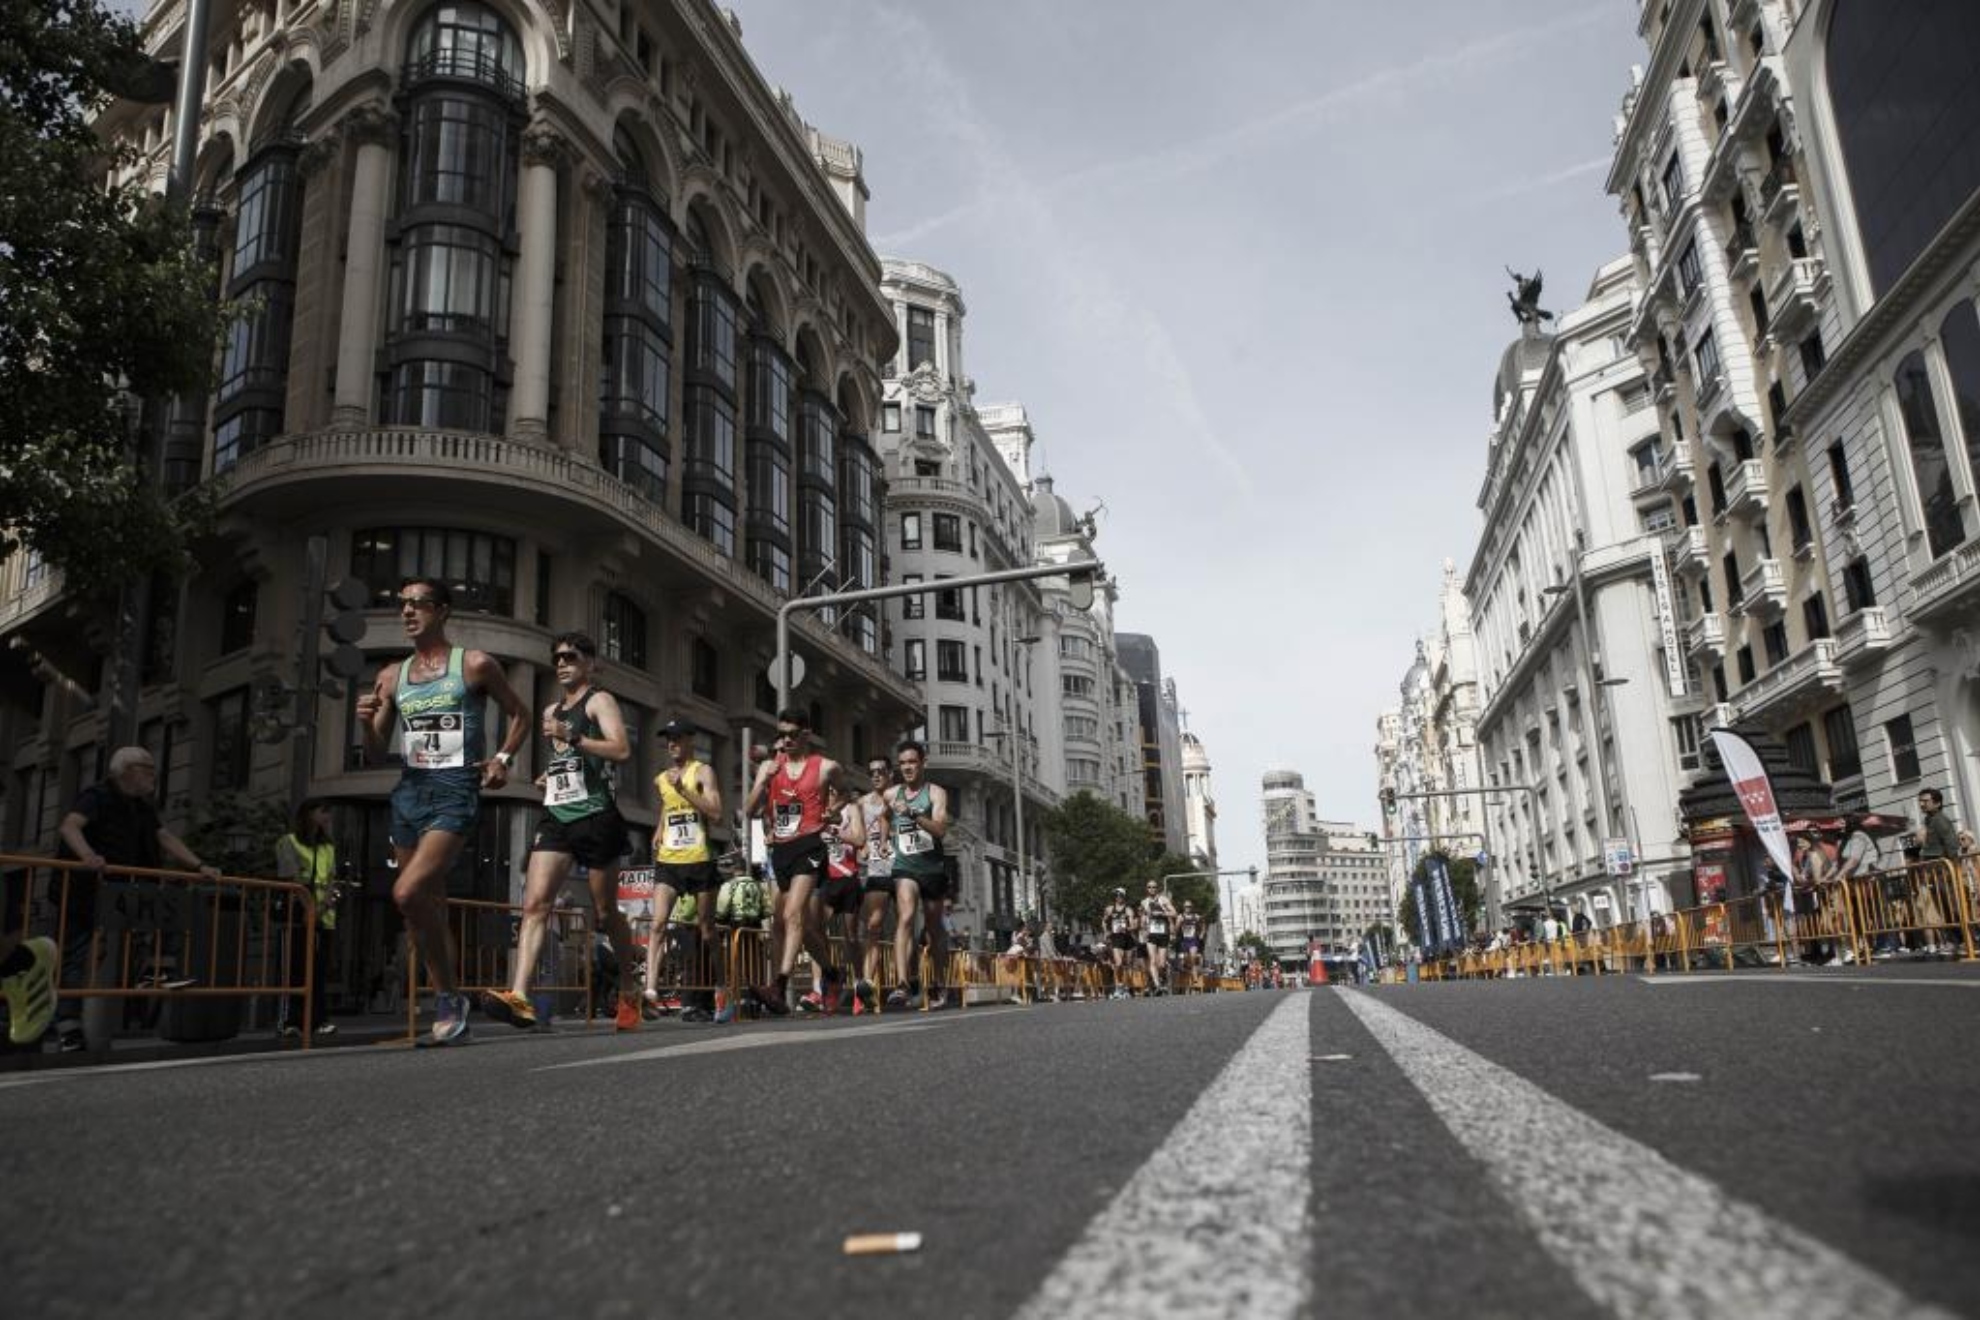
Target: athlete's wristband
{"type": "Point", "coordinates": [507, 759]}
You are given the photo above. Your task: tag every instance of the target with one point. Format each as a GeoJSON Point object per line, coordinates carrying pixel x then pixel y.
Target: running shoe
{"type": "Point", "coordinates": [649, 1006]}
{"type": "Point", "coordinates": [773, 1000]}
{"type": "Point", "coordinates": [626, 1018]}
{"type": "Point", "coordinates": [830, 986]}
{"type": "Point", "coordinates": [696, 1015]}
{"type": "Point", "coordinates": [897, 998]}
{"type": "Point", "coordinates": [506, 1006]}
{"type": "Point", "coordinates": [864, 997]}
{"type": "Point", "coordinates": [30, 993]}
{"type": "Point", "coordinates": [325, 1029]}
{"type": "Point", "coordinates": [811, 1001]}
{"type": "Point", "coordinates": [70, 1040]}
{"type": "Point", "coordinates": [289, 1031]}
{"type": "Point", "coordinates": [725, 1011]}
{"type": "Point", "coordinates": [450, 1018]}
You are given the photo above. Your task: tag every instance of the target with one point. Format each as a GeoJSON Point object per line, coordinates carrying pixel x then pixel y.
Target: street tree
{"type": "Point", "coordinates": [1095, 846]}
{"type": "Point", "coordinates": [102, 302]}
{"type": "Point", "coordinates": [1195, 888]}
{"type": "Point", "coordinates": [1254, 943]}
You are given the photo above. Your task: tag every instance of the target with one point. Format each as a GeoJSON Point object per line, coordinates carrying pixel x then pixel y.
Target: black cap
{"type": "Point", "coordinates": [677, 728]}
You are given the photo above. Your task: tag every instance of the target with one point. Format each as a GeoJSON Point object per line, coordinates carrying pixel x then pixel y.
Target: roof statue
{"type": "Point", "coordinates": [1525, 299]}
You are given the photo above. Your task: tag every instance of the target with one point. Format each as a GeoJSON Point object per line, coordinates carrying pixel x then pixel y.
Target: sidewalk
{"type": "Point", "coordinates": [136, 1046]}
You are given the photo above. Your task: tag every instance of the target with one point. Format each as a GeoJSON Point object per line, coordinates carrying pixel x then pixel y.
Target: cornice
{"type": "Point", "coordinates": [1887, 318]}
{"type": "Point", "coordinates": [1660, 75]}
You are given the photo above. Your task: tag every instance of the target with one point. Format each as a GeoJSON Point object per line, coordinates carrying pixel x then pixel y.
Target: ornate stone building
{"type": "Point", "coordinates": [561, 304]}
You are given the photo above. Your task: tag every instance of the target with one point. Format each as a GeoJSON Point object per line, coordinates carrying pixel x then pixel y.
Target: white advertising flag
{"type": "Point", "coordinates": [1756, 795]}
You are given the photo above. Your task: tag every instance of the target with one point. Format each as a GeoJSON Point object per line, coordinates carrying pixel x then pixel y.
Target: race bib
{"type": "Point", "coordinates": [1118, 925]}
{"type": "Point", "coordinates": [684, 830]}
{"type": "Point", "coordinates": [563, 784]}
{"type": "Point", "coordinates": [435, 741]}
{"type": "Point", "coordinates": [785, 819]}
{"type": "Point", "coordinates": [910, 840]}
{"type": "Point", "coordinates": [1158, 925]}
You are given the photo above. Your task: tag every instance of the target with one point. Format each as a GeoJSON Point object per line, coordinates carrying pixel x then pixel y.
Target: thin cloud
{"type": "Point", "coordinates": [1286, 122]}
{"type": "Point", "coordinates": [1520, 187]}
{"type": "Point", "coordinates": [1088, 298]}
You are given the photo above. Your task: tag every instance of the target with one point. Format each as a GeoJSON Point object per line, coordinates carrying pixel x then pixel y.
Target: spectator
{"type": "Point", "coordinates": [1813, 872]}
{"type": "Point", "coordinates": [1938, 841]}
{"type": "Point", "coordinates": [112, 824]}
{"type": "Point", "coordinates": [307, 854]}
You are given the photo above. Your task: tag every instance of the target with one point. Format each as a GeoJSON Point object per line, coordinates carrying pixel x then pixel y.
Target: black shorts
{"type": "Point", "coordinates": [878, 884]}
{"type": "Point", "coordinates": [840, 894]}
{"type": "Point", "coordinates": [597, 840]}
{"type": "Point", "coordinates": [804, 855]}
{"type": "Point", "coordinates": [934, 888]}
{"type": "Point", "coordinates": [1157, 941]}
{"type": "Point", "coordinates": [1124, 940]}
{"type": "Point", "coordinates": [687, 877]}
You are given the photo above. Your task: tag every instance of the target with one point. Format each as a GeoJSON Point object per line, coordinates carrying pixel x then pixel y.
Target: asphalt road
{"type": "Point", "coordinates": [1753, 1144]}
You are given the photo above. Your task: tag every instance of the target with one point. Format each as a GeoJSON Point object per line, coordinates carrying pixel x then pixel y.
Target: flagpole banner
{"type": "Point", "coordinates": [1424, 938]}
{"type": "Point", "coordinates": [1755, 788]}
{"type": "Point", "coordinates": [1451, 936]}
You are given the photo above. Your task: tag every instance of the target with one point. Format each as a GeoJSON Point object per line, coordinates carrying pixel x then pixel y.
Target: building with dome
{"type": "Point", "coordinates": [565, 306]}
{"type": "Point", "coordinates": [1574, 629]}
{"type": "Point", "coordinates": [1199, 803]}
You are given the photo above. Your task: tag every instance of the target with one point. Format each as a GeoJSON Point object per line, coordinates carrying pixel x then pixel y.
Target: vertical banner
{"type": "Point", "coordinates": [1756, 796]}
{"type": "Point", "coordinates": [1667, 632]}
{"type": "Point", "coordinates": [1425, 939]}
{"type": "Point", "coordinates": [1450, 925]}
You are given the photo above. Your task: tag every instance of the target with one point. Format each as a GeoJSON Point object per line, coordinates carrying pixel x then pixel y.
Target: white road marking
{"type": "Point", "coordinates": [1676, 1077]}
{"type": "Point", "coordinates": [1803, 978]}
{"type": "Point", "coordinates": [1215, 1221]}
{"type": "Point", "coordinates": [751, 1041]}
{"type": "Point", "coordinates": [1641, 1235]}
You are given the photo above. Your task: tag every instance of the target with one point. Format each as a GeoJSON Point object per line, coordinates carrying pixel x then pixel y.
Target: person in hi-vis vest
{"type": "Point", "coordinates": [307, 855]}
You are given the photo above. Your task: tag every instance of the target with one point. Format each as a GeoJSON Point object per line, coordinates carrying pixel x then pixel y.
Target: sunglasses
{"type": "Point", "coordinates": [419, 602]}
{"type": "Point", "coordinates": [879, 769]}
{"type": "Point", "coordinates": [784, 734]}
{"type": "Point", "coordinates": [566, 657]}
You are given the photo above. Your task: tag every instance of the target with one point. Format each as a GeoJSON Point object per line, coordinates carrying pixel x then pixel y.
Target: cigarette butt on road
{"type": "Point", "coordinates": [882, 1244]}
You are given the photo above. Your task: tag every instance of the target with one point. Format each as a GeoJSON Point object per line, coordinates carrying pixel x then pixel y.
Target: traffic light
{"type": "Point", "coordinates": [343, 626]}
{"type": "Point", "coordinates": [1388, 801]}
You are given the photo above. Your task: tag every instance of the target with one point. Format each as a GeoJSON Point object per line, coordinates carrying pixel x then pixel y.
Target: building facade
{"type": "Point", "coordinates": [1161, 749]}
{"type": "Point", "coordinates": [1587, 714]}
{"type": "Point", "coordinates": [1801, 186]}
{"type": "Point", "coordinates": [956, 509]}
{"type": "Point", "coordinates": [1199, 803]}
{"type": "Point", "coordinates": [1324, 879]}
{"type": "Point", "coordinates": [568, 310]}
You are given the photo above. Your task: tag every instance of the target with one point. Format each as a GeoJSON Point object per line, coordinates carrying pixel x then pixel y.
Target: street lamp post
{"type": "Point", "coordinates": [1222, 909]}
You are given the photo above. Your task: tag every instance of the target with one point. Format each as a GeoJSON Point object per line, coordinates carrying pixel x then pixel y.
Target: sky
{"type": "Point", "coordinates": [1244, 265]}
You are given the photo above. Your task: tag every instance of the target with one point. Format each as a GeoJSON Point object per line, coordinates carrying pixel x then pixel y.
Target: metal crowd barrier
{"type": "Point", "coordinates": [129, 932]}
{"type": "Point", "coordinates": [484, 948]}
{"type": "Point", "coordinates": [1930, 905]}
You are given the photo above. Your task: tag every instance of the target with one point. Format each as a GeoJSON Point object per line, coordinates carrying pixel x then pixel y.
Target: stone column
{"type": "Point", "coordinates": [533, 303]}
{"type": "Point", "coordinates": [373, 128]}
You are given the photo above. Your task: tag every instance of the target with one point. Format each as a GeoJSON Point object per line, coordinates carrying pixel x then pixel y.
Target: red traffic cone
{"type": "Point", "coordinates": [1316, 970]}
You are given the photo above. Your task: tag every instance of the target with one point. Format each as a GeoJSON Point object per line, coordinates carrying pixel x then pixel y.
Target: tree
{"type": "Point", "coordinates": [1193, 888]}
{"type": "Point", "coordinates": [1095, 846]}
{"type": "Point", "coordinates": [102, 301]}
{"type": "Point", "coordinates": [1254, 942]}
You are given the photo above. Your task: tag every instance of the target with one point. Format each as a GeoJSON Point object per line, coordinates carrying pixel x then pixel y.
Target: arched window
{"type": "Point", "coordinates": [1930, 463]}
{"type": "Point", "coordinates": [639, 339]}
{"type": "Point", "coordinates": [452, 263]}
{"type": "Point", "coordinates": [250, 404]}
{"type": "Point", "coordinates": [708, 398]}
{"type": "Point", "coordinates": [1907, 110]}
{"type": "Point", "coordinates": [1959, 335]}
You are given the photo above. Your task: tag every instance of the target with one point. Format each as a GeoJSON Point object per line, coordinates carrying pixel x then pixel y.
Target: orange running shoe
{"type": "Point", "coordinates": [510, 1007]}
{"type": "Point", "coordinates": [627, 1017]}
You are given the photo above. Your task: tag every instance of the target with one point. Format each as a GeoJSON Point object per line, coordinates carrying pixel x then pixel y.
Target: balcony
{"type": "Point", "coordinates": [1720, 716]}
{"type": "Point", "coordinates": [1810, 674]}
{"type": "Point", "coordinates": [1711, 390]}
{"type": "Point", "coordinates": [1662, 385]}
{"type": "Point", "coordinates": [1948, 585]}
{"type": "Point", "coordinates": [1746, 490]}
{"type": "Point", "coordinates": [1742, 253]}
{"type": "Point", "coordinates": [531, 484]}
{"type": "Point", "coordinates": [1863, 636]}
{"type": "Point", "coordinates": [1689, 553]}
{"type": "Point", "coordinates": [1795, 296]}
{"type": "Point", "coordinates": [1763, 588]}
{"type": "Point", "coordinates": [1780, 193]}
{"type": "Point", "coordinates": [1675, 473]}
{"type": "Point", "coordinates": [1705, 634]}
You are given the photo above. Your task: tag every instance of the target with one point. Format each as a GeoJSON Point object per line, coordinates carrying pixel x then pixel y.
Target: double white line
{"type": "Point", "coordinates": [1207, 1227]}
